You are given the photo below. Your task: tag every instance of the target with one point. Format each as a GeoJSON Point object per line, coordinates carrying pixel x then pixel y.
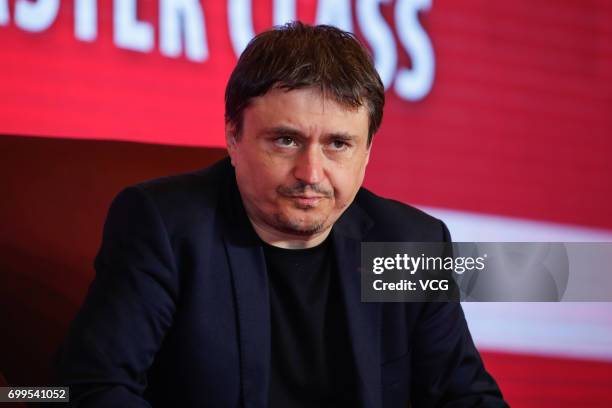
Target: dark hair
{"type": "Point", "coordinates": [297, 55]}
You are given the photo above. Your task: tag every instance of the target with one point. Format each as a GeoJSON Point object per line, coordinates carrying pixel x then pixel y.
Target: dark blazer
{"type": "Point", "coordinates": [178, 312]}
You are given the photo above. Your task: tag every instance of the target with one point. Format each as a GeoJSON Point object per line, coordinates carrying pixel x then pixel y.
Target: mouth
{"type": "Point", "coordinates": [306, 200]}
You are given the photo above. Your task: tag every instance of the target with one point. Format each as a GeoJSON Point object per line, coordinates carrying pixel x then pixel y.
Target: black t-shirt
{"type": "Point", "coordinates": [312, 364]}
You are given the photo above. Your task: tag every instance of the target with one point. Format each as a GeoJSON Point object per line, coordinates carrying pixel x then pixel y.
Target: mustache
{"type": "Point", "coordinates": [301, 188]}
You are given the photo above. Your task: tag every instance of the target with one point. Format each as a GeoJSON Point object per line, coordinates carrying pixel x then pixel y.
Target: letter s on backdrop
{"type": "Point", "coordinates": [414, 84]}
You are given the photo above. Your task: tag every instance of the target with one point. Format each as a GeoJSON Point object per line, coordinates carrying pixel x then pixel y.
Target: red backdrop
{"type": "Point", "coordinates": [520, 96]}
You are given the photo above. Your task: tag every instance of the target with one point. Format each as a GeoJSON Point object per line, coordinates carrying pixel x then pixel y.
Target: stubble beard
{"type": "Point", "coordinates": [297, 226]}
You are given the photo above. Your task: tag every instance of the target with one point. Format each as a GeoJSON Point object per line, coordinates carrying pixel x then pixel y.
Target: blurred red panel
{"type": "Point", "coordinates": [517, 122]}
{"type": "Point", "coordinates": [532, 381]}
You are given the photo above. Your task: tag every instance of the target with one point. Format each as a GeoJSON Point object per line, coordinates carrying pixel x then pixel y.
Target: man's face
{"type": "Point", "coordinates": [299, 160]}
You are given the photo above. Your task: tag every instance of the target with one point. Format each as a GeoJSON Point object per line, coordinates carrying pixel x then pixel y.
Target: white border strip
{"type": "Point", "coordinates": [575, 330]}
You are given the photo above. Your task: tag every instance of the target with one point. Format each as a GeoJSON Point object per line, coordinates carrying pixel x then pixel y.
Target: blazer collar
{"type": "Point", "coordinates": [249, 277]}
{"type": "Point", "coordinates": [250, 284]}
{"type": "Point", "coordinates": [363, 319]}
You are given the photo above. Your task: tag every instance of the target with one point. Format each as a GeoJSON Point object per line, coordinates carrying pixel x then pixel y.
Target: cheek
{"type": "Point", "coordinates": [345, 188]}
{"type": "Point", "coordinates": [340, 189]}
{"type": "Point", "coordinates": [255, 170]}
{"type": "Point", "coordinates": [264, 180]}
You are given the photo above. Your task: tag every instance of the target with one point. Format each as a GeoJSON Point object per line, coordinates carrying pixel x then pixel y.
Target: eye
{"type": "Point", "coordinates": [285, 141]}
{"type": "Point", "coordinates": [339, 145]}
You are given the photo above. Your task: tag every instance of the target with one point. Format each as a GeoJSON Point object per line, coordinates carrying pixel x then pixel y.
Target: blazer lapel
{"type": "Point", "coordinates": [364, 319]}
{"type": "Point", "coordinates": [249, 277]}
{"type": "Point", "coordinates": [251, 289]}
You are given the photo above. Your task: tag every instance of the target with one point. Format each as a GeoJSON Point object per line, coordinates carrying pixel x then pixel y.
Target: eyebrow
{"type": "Point", "coordinates": [288, 131]}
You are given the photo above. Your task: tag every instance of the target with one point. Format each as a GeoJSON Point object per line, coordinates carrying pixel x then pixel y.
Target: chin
{"type": "Point", "coordinates": [299, 225]}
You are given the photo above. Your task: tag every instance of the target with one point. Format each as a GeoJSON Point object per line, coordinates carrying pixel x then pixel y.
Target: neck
{"type": "Point", "coordinates": [286, 240]}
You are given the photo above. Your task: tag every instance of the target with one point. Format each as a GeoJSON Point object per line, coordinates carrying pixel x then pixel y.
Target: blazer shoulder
{"type": "Point", "coordinates": [185, 198]}
{"type": "Point", "coordinates": [396, 221]}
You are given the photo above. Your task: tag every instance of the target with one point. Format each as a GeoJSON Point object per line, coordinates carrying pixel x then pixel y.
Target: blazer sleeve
{"type": "Point", "coordinates": [447, 368]}
{"type": "Point", "coordinates": [128, 309]}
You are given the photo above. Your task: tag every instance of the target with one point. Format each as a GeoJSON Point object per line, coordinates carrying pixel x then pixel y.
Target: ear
{"type": "Point", "coordinates": [230, 141]}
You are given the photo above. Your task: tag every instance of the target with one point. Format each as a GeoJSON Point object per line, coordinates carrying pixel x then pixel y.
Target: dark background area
{"type": "Point", "coordinates": [54, 196]}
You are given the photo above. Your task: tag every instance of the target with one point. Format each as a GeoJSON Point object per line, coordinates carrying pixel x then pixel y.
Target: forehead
{"type": "Point", "coordinates": [307, 110]}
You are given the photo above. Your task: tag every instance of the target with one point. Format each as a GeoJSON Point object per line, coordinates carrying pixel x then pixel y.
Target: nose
{"type": "Point", "coordinates": [309, 166]}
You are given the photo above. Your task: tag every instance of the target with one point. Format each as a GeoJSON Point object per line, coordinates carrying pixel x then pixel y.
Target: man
{"type": "Point", "coordinates": [238, 285]}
